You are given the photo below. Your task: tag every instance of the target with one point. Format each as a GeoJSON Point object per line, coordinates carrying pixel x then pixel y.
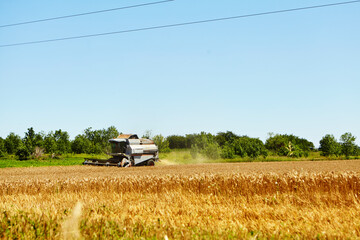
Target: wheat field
{"type": "Point", "coordinates": [206, 201]}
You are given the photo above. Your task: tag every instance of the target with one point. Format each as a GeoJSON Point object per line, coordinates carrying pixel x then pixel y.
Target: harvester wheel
{"type": "Point", "coordinates": [151, 163]}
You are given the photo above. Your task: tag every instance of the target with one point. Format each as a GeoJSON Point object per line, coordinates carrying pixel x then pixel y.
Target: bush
{"type": "Point", "coordinates": [256, 148]}
{"type": "Point", "coordinates": [2, 147]}
{"type": "Point", "coordinates": [249, 147]}
{"type": "Point", "coordinates": [212, 150]}
{"type": "Point", "coordinates": [176, 142]}
{"type": "Point", "coordinates": [205, 144]}
{"type": "Point", "coordinates": [228, 152]}
{"type": "Point", "coordinates": [23, 153]}
{"type": "Point", "coordinates": [357, 151]}
{"type": "Point", "coordinates": [94, 141]}
{"type": "Point", "coordinates": [81, 145]}
{"type": "Point", "coordinates": [57, 142]}
{"type": "Point", "coordinates": [162, 143]}
{"type": "Point", "coordinates": [289, 145]}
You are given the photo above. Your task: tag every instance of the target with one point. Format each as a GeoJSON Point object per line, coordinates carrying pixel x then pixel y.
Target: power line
{"type": "Point", "coordinates": [180, 24]}
{"type": "Point", "coordinates": [83, 14]}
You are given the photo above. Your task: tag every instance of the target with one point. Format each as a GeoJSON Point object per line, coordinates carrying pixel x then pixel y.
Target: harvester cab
{"type": "Point", "coordinates": [128, 150]}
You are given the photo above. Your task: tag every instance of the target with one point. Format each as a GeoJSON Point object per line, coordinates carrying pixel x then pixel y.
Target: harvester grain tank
{"type": "Point", "coordinates": [129, 150]}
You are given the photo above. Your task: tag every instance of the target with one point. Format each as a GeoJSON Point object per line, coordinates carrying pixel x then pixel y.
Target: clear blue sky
{"type": "Point", "coordinates": [295, 73]}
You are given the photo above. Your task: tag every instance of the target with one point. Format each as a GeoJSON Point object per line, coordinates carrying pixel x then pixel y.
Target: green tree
{"type": "Point", "coordinates": [177, 142]}
{"type": "Point", "coordinates": [39, 139]}
{"type": "Point", "coordinates": [205, 143]}
{"type": "Point", "coordinates": [50, 143]}
{"type": "Point", "coordinates": [292, 150]}
{"type": "Point", "coordinates": [277, 144]}
{"type": "Point", "coordinates": [147, 134]}
{"type": "Point", "coordinates": [161, 143]}
{"type": "Point", "coordinates": [29, 140]}
{"type": "Point", "coordinates": [23, 153]}
{"type": "Point", "coordinates": [257, 148]}
{"type": "Point", "coordinates": [100, 139]}
{"type": "Point", "coordinates": [329, 146]}
{"type": "Point", "coordinates": [96, 137]}
{"type": "Point", "coordinates": [2, 147]}
{"type": "Point", "coordinates": [33, 140]}
{"type": "Point", "coordinates": [302, 143]}
{"type": "Point", "coordinates": [348, 145]}
{"type": "Point", "coordinates": [190, 140]}
{"type": "Point", "coordinates": [239, 147]}
{"type": "Point", "coordinates": [228, 151]}
{"type": "Point", "coordinates": [12, 143]}
{"type": "Point", "coordinates": [109, 133]}
{"type": "Point", "coordinates": [81, 144]}
{"type": "Point", "coordinates": [251, 147]}
{"type": "Point", "coordinates": [225, 137]}
{"type": "Point", "coordinates": [203, 139]}
{"type": "Point", "coordinates": [57, 142]}
{"type": "Point", "coordinates": [63, 144]}
{"type": "Point", "coordinates": [357, 151]}
{"type": "Point", "coordinates": [288, 145]}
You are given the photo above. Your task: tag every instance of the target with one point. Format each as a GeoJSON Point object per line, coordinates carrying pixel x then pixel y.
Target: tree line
{"type": "Point", "coordinates": [230, 145]}
{"type": "Point", "coordinates": [223, 144]}
{"type": "Point", "coordinates": [56, 143]}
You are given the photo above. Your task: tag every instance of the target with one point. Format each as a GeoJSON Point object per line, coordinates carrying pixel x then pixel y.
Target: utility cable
{"type": "Point", "coordinates": [83, 14]}
{"type": "Point", "coordinates": [179, 24]}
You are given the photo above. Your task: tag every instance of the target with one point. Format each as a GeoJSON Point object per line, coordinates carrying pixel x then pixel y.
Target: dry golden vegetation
{"type": "Point", "coordinates": [247, 200]}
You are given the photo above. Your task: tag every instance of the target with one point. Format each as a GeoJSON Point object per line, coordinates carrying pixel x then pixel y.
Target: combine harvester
{"type": "Point", "coordinates": [128, 150]}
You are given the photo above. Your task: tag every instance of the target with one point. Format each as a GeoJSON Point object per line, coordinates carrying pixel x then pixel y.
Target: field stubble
{"type": "Point", "coordinates": [187, 201]}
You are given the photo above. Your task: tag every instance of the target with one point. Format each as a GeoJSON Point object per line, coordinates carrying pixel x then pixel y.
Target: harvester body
{"type": "Point", "coordinates": [128, 150]}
